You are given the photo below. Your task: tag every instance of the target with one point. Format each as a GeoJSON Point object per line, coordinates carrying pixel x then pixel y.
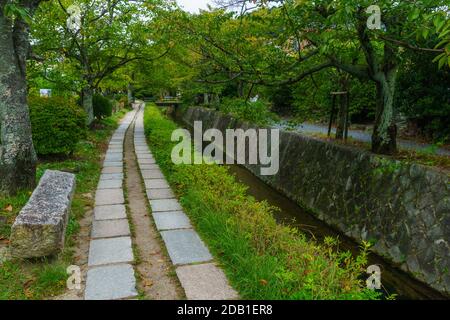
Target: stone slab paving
{"type": "Point", "coordinates": [111, 176]}
{"type": "Point", "coordinates": [146, 161]}
{"type": "Point", "coordinates": [111, 275]}
{"type": "Point", "coordinates": [156, 194]}
{"type": "Point", "coordinates": [205, 282]}
{"type": "Point", "coordinates": [114, 157]}
{"type": "Point", "coordinates": [152, 174]}
{"type": "Point", "coordinates": [110, 184]}
{"type": "Point", "coordinates": [111, 212]}
{"type": "Point", "coordinates": [115, 149]}
{"type": "Point", "coordinates": [171, 220]}
{"type": "Point", "coordinates": [110, 228]}
{"type": "Point", "coordinates": [111, 282]}
{"type": "Point", "coordinates": [200, 278]}
{"type": "Point", "coordinates": [162, 205]}
{"type": "Point", "coordinates": [143, 153]}
{"type": "Point", "coordinates": [112, 170]}
{"type": "Point", "coordinates": [149, 167]}
{"type": "Point", "coordinates": [109, 251]}
{"type": "Point", "coordinates": [109, 196]}
{"type": "Point", "coordinates": [185, 247]}
{"type": "Point", "coordinates": [156, 184]}
{"type": "Point", "coordinates": [113, 164]}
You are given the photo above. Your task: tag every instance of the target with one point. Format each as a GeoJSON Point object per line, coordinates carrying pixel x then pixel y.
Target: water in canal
{"type": "Point", "coordinates": [394, 281]}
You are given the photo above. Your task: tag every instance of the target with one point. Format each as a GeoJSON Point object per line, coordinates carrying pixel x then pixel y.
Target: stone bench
{"type": "Point", "coordinates": [40, 227]}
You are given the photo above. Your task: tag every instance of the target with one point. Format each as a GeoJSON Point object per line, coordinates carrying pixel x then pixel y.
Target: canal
{"type": "Point", "coordinates": [394, 280]}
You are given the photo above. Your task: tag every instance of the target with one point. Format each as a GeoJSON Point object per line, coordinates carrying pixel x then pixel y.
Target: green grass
{"type": "Point", "coordinates": [45, 278]}
{"type": "Point", "coordinates": [262, 259]}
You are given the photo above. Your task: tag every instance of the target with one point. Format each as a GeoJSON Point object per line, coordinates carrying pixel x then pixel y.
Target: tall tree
{"type": "Point", "coordinates": [110, 35]}
{"type": "Point", "coordinates": [293, 39]}
{"type": "Point", "coordinates": [17, 154]}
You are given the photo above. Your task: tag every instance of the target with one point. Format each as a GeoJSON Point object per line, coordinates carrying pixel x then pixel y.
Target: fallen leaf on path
{"type": "Point", "coordinates": [27, 284]}
{"type": "Point", "coordinates": [147, 283]}
{"type": "Point", "coordinates": [28, 293]}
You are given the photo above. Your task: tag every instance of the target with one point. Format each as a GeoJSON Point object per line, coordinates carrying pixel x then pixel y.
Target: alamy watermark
{"type": "Point", "coordinates": [374, 280]}
{"type": "Point", "coordinates": [374, 20]}
{"type": "Point", "coordinates": [239, 146]}
{"type": "Point", "coordinates": [74, 19]}
{"type": "Point", "coordinates": [74, 280]}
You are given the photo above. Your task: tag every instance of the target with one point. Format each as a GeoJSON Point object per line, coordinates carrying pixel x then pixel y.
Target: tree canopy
{"type": "Point", "coordinates": [291, 53]}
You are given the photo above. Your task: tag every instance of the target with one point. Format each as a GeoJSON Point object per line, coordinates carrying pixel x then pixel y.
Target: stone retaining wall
{"type": "Point", "coordinates": [403, 208]}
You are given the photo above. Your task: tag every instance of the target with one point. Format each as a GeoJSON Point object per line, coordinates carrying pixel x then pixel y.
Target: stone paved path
{"type": "Point", "coordinates": [199, 276]}
{"type": "Point", "coordinates": [110, 272]}
{"type": "Point", "coordinates": [110, 265]}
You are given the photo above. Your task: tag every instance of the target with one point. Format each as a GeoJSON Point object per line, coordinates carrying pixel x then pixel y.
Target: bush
{"type": "Point", "coordinates": [123, 99]}
{"type": "Point", "coordinates": [102, 106]}
{"type": "Point", "coordinates": [57, 124]}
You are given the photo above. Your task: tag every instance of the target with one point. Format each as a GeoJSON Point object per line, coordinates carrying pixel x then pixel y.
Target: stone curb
{"type": "Point", "coordinates": [110, 274]}
{"type": "Point", "coordinates": [199, 276]}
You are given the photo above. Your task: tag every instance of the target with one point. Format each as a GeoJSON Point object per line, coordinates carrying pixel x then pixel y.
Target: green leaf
{"type": "Point", "coordinates": [438, 23]}
{"type": "Point", "coordinates": [441, 43]}
{"type": "Point", "coordinates": [442, 62]}
{"type": "Point", "coordinates": [14, 11]}
{"type": "Point", "coordinates": [443, 34]}
{"type": "Point", "coordinates": [439, 57]}
{"type": "Point", "coordinates": [414, 14]}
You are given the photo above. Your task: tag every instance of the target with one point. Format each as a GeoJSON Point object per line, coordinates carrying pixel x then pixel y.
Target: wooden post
{"type": "Point", "coordinates": [333, 110]}
{"type": "Point", "coordinates": [347, 116]}
{"type": "Point", "coordinates": [341, 115]}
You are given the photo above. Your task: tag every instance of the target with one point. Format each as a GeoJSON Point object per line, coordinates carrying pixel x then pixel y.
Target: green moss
{"type": "Point", "coordinates": [385, 166]}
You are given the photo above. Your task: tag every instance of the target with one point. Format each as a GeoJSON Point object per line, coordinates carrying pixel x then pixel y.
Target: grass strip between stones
{"type": "Point", "coordinates": [46, 278]}
{"type": "Point", "coordinates": [261, 258]}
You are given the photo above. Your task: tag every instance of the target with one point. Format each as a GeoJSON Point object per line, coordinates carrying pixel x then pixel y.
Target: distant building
{"type": "Point", "coordinates": [47, 93]}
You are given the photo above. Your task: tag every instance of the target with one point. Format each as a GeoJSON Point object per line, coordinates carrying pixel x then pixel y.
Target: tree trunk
{"type": "Point", "coordinates": [240, 89]}
{"type": "Point", "coordinates": [17, 154]}
{"type": "Point", "coordinates": [343, 111]}
{"type": "Point", "coordinates": [130, 93]}
{"type": "Point", "coordinates": [342, 117]}
{"type": "Point", "coordinates": [88, 107]}
{"type": "Point", "coordinates": [384, 138]}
